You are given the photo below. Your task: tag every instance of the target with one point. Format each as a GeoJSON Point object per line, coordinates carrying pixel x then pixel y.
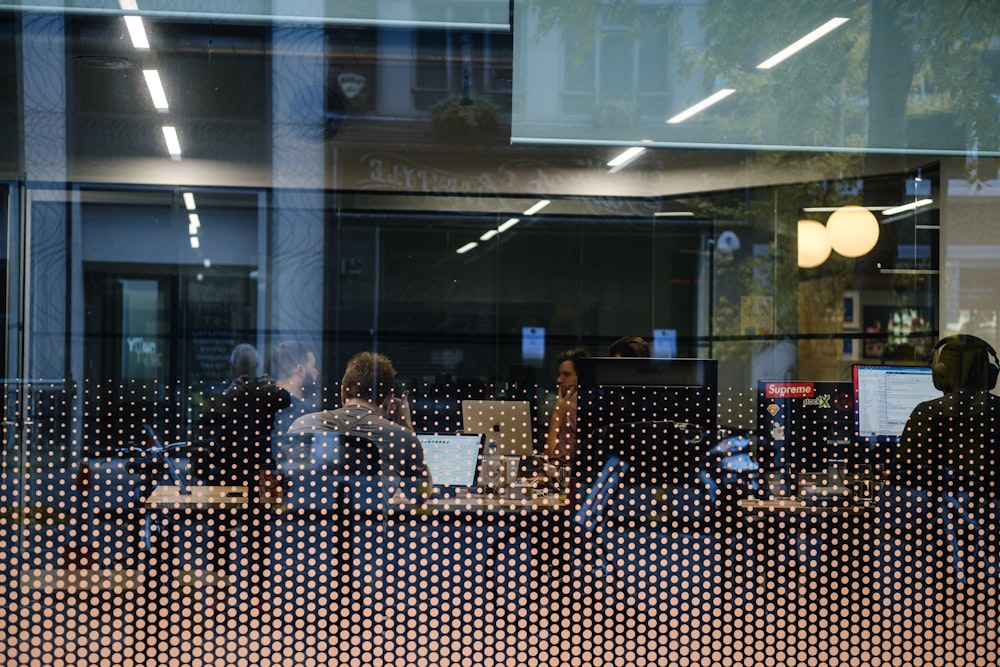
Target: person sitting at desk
{"type": "Point", "coordinates": [946, 460]}
{"type": "Point", "coordinates": [293, 365]}
{"type": "Point", "coordinates": [238, 423]}
{"type": "Point", "coordinates": [368, 382]}
{"type": "Point", "coordinates": [629, 346]}
{"type": "Point", "coordinates": [952, 439]}
{"type": "Point", "coordinates": [560, 445]}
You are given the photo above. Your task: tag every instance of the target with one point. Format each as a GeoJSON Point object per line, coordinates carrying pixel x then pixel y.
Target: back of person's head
{"type": "Point", "coordinates": [629, 346]}
{"type": "Point", "coordinates": [243, 362]}
{"type": "Point", "coordinates": [964, 362]}
{"type": "Point", "coordinates": [573, 355]}
{"type": "Point", "coordinates": [287, 355]}
{"type": "Point", "coordinates": [370, 377]}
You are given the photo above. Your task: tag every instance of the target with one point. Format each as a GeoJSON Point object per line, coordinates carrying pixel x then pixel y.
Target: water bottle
{"type": "Point", "coordinates": [492, 470]}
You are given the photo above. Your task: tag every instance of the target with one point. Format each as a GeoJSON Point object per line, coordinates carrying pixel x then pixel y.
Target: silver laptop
{"type": "Point", "coordinates": [507, 422]}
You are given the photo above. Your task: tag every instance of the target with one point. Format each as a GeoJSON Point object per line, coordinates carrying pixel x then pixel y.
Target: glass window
{"type": "Point", "coordinates": [699, 295]}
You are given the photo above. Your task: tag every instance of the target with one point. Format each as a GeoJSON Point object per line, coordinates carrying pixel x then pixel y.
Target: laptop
{"type": "Point", "coordinates": [507, 422]}
{"type": "Point", "coordinates": [453, 460]}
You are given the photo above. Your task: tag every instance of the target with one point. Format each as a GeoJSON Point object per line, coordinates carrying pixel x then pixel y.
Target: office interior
{"type": "Point", "coordinates": [472, 188]}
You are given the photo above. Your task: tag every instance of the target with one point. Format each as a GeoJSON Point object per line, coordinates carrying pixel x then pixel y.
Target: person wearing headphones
{"type": "Point", "coordinates": [947, 460]}
{"type": "Point", "coordinates": [952, 439]}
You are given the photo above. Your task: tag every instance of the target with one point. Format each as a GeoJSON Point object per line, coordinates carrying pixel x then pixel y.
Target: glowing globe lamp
{"type": "Point", "coordinates": [853, 231]}
{"type": "Point", "coordinates": [814, 246]}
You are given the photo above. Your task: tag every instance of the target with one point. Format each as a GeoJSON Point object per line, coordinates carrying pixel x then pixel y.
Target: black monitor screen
{"type": "Point", "coordinates": [658, 415]}
{"type": "Point", "coordinates": [644, 372]}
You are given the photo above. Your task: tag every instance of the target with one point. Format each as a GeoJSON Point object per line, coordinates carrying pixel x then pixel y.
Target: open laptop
{"type": "Point", "coordinates": [507, 422]}
{"type": "Point", "coordinates": [453, 460]}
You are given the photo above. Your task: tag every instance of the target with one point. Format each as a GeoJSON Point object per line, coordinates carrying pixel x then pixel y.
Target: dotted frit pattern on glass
{"type": "Point", "coordinates": [673, 538]}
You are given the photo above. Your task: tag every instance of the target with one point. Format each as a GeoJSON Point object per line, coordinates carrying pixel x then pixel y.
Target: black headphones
{"type": "Point", "coordinates": [961, 359]}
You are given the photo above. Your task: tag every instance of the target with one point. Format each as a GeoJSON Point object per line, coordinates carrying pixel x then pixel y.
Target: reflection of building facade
{"type": "Point", "coordinates": [432, 181]}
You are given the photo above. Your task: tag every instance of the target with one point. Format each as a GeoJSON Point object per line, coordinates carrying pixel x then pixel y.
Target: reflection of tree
{"type": "Point", "coordinates": [767, 217]}
{"type": "Point", "coordinates": [897, 63]}
{"type": "Point", "coordinates": [918, 57]}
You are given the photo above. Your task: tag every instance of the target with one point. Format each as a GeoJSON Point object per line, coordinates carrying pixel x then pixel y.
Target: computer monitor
{"type": "Point", "coordinates": [657, 415]}
{"type": "Point", "coordinates": [884, 397]}
{"type": "Point", "coordinates": [804, 424]}
{"type": "Point", "coordinates": [647, 372]}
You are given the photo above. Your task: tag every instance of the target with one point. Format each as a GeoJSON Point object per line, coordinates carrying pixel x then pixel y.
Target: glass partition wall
{"type": "Point", "coordinates": [450, 184]}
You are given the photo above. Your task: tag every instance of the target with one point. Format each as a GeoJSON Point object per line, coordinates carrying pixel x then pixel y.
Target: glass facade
{"type": "Point", "coordinates": [472, 189]}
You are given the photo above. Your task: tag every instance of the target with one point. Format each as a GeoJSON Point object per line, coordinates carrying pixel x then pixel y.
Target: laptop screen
{"type": "Point", "coordinates": [452, 458]}
{"type": "Point", "coordinates": [884, 397]}
{"type": "Point", "coordinates": [507, 422]}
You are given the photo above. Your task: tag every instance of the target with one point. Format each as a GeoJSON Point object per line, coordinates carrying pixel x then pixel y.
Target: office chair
{"type": "Point", "coordinates": [589, 564]}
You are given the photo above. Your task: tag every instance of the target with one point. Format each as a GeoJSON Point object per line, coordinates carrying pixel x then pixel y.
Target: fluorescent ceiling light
{"type": "Point", "coordinates": [625, 157]}
{"type": "Point", "coordinates": [912, 206]}
{"type": "Point", "coordinates": [136, 31]}
{"type": "Point", "coordinates": [128, 5]}
{"type": "Point", "coordinates": [194, 222]}
{"type": "Point", "coordinates": [467, 247]}
{"type": "Point", "coordinates": [155, 89]}
{"type": "Point", "coordinates": [173, 145]}
{"type": "Point", "coordinates": [189, 201]}
{"type": "Point", "coordinates": [673, 214]}
{"type": "Point", "coordinates": [542, 203]}
{"type": "Point", "coordinates": [195, 243]}
{"type": "Point", "coordinates": [831, 209]}
{"type": "Point", "coordinates": [800, 44]}
{"type": "Point", "coordinates": [508, 224]}
{"type": "Point", "coordinates": [701, 106]}
{"type": "Point", "coordinates": [490, 233]}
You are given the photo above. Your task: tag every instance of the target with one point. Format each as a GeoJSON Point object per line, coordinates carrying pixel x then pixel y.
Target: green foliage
{"type": "Point", "coordinates": [468, 116]}
{"type": "Point", "coordinates": [824, 96]}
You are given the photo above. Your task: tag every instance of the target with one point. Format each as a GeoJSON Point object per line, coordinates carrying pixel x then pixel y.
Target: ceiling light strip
{"type": "Point", "coordinates": [156, 92]}
{"type": "Point", "coordinates": [624, 158]}
{"type": "Point", "coordinates": [542, 203]}
{"type": "Point", "coordinates": [802, 43]}
{"type": "Point", "coordinates": [173, 144]}
{"type": "Point", "coordinates": [912, 206]}
{"type": "Point", "coordinates": [714, 98]}
{"type": "Point", "coordinates": [136, 31]}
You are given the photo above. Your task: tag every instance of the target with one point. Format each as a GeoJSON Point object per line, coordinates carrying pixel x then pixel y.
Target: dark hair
{"type": "Point", "coordinates": [370, 377]}
{"type": "Point", "coordinates": [629, 346]}
{"type": "Point", "coordinates": [243, 361]}
{"type": "Point", "coordinates": [573, 355]}
{"type": "Point", "coordinates": [287, 355]}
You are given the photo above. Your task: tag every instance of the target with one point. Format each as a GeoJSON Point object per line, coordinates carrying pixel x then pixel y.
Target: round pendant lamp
{"type": "Point", "coordinates": [814, 246]}
{"type": "Point", "coordinates": [852, 230]}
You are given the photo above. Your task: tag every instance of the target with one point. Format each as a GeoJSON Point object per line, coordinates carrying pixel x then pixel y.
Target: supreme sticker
{"type": "Point", "coordinates": [789, 390]}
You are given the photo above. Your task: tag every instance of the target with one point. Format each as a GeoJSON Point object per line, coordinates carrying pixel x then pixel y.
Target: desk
{"type": "Point", "coordinates": [314, 536]}
{"type": "Point", "coordinates": [200, 498]}
{"type": "Point", "coordinates": [482, 503]}
{"type": "Point", "coordinates": [228, 504]}
{"type": "Point", "coordinates": [545, 520]}
{"type": "Point", "coordinates": [806, 561]}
